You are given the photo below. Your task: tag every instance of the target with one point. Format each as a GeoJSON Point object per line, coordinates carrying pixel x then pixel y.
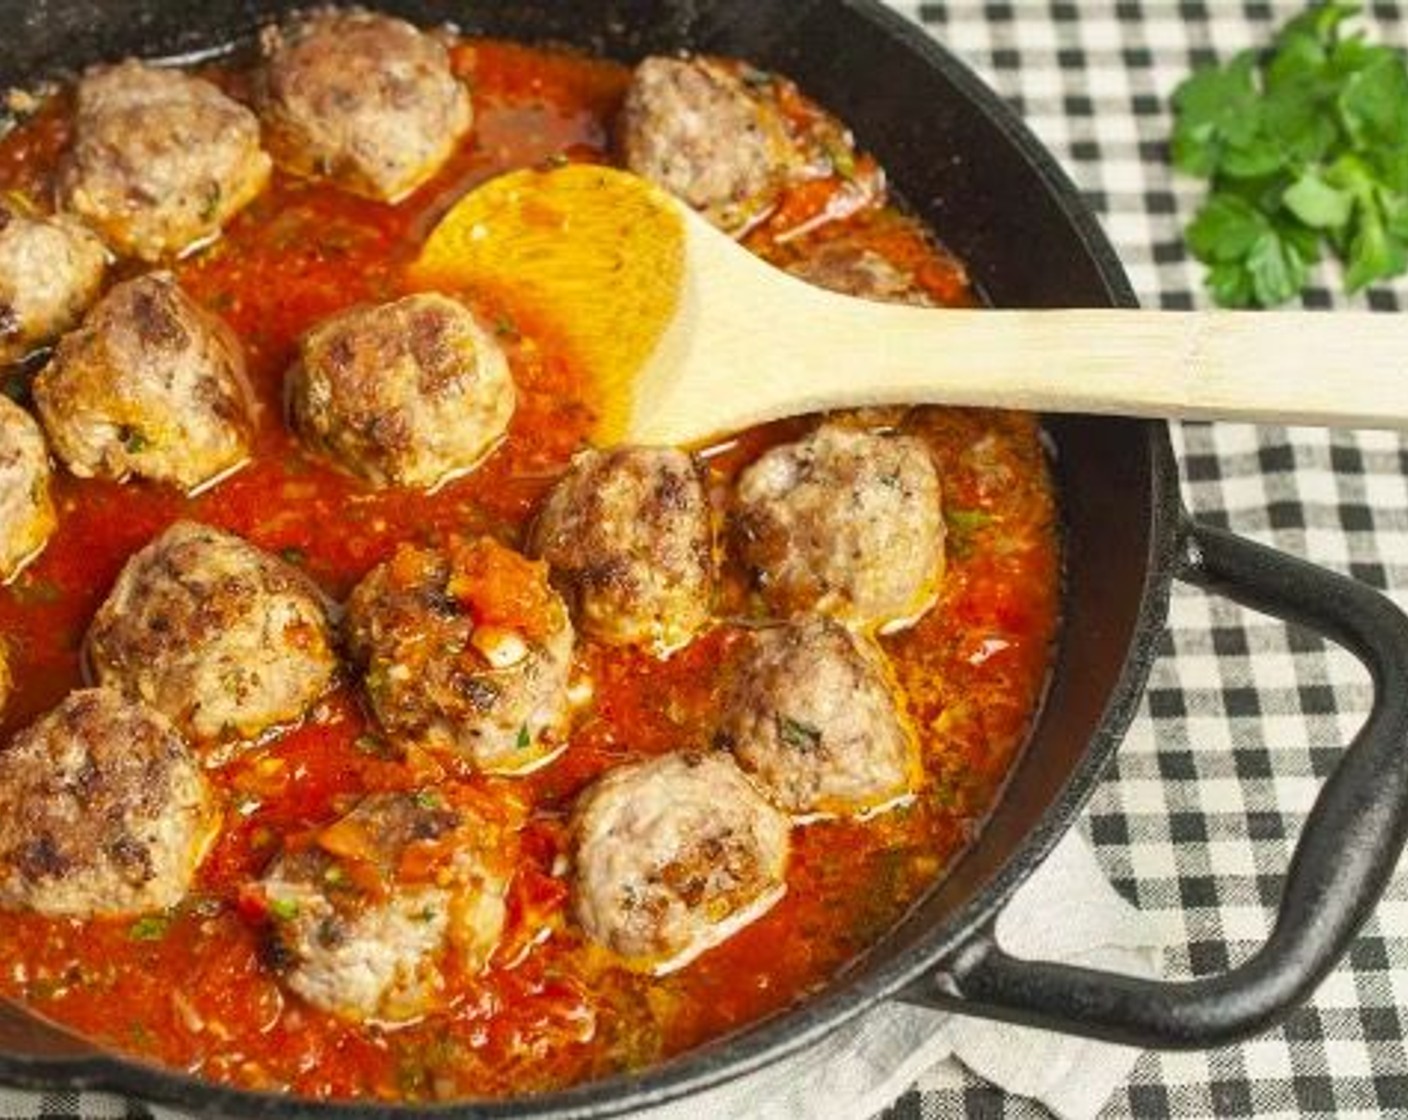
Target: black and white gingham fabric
{"type": "Point", "coordinates": [1243, 717]}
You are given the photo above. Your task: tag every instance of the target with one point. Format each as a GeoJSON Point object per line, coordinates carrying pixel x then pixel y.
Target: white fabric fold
{"type": "Point", "coordinates": [1067, 911]}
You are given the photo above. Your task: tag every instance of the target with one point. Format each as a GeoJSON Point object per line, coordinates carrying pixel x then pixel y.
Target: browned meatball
{"type": "Point", "coordinates": [366, 919]}
{"type": "Point", "coordinates": [223, 638]}
{"type": "Point", "coordinates": [365, 100]}
{"type": "Point", "coordinates": [845, 523]}
{"type": "Point", "coordinates": [50, 272]}
{"type": "Point", "coordinates": [673, 856]}
{"type": "Point", "coordinates": [809, 716]}
{"type": "Point", "coordinates": [465, 649]}
{"type": "Point", "coordinates": [855, 270]}
{"type": "Point", "coordinates": [161, 160]}
{"type": "Point", "coordinates": [629, 538]}
{"type": "Point", "coordinates": [103, 811]}
{"type": "Point", "coordinates": [693, 126]}
{"type": "Point", "coordinates": [151, 385]}
{"type": "Point", "coordinates": [27, 517]}
{"type": "Point", "coordinates": [409, 393]}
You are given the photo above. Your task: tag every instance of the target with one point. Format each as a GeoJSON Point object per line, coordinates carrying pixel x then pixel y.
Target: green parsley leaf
{"type": "Point", "coordinates": [285, 909]}
{"type": "Point", "coordinates": [151, 927]}
{"type": "Point", "coordinates": [1276, 269]}
{"type": "Point", "coordinates": [133, 439]}
{"type": "Point", "coordinates": [1225, 229]}
{"type": "Point", "coordinates": [1214, 109]}
{"type": "Point", "coordinates": [1374, 253]}
{"type": "Point", "coordinates": [525, 740]}
{"type": "Point", "coordinates": [1305, 145]}
{"type": "Point", "coordinates": [1316, 203]}
{"type": "Point", "coordinates": [15, 385]}
{"type": "Point", "coordinates": [798, 735]}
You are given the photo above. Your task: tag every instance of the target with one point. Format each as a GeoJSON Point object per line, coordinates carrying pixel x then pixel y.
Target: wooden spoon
{"type": "Point", "coordinates": [689, 335]}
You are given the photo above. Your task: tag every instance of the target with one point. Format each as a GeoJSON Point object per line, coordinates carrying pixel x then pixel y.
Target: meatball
{"type": "Point", "coordinates": [409, 393]}
{"type": "Point", "coordinates": [854, 270]}
{"type": "Point", "coordinates": [694, 127]}
{"type": "Point", "coordinates": [50, 272]}
{"type": "Point", "coordinates": [27, 517]}
{"type": "Point", "coordinates": [151, 385]}
{"type": "Point", "coordinates": [809, 716]}
{"type": "Point", "coordinates": [223, 638]}
{"type": "Point", "coordinates": [465, 649]}
{"type": "Point", "coordinates": [367, 916]}
{"type": "Point", "coordinates": [103, 811]}
{"type": "Point", "coordinates": [363, 99]}
{"type": "Point", "coordinates": [674, 855]}
{"type": "Point", "coordinates": [628, 535]}
{"type": "Point", "coordinates": [845, 523]}
{"type": "Point", "coordinates": [161, 160]}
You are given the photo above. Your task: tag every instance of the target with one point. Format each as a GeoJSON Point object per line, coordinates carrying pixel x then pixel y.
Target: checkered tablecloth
{"type": "Point", "coordinates": [1243, 718]}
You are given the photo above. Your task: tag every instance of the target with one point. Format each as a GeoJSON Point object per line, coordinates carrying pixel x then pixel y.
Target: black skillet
{"type": "Point", "coordinates": [964, 162]}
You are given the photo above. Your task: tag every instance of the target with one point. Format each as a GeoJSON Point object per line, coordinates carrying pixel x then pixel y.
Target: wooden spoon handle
{"type": "Point", "coordinates": [1286, 367]}
{"type": "Point", "coordinates": [1340, 369]}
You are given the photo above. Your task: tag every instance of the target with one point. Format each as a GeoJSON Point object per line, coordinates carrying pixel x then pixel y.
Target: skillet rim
{"type": "Point", "coordinates": [787, 1032]}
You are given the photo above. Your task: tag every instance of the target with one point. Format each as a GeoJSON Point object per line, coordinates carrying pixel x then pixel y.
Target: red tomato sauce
{"type": "Point", "coordinates": [190, 988]}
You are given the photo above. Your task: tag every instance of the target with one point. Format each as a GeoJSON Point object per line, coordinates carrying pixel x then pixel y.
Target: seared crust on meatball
{"type": "Point", "coordinates": [809, 716]}
{"type": "Point", "coordinates": [103, 811]}
{"type": "Point", "coordinates": [408, 393]}
{"type": "Point", "coordinates": [845, 523]}
{"type": "Point", "coordinates": [630, 540]}
{"type": "Point", "coordinates": [151, 385]}
{"type": "Point", "coordinates": [465, 649]}
{"type": "Point", "coordinates": [673, 856]}
{"type": "Point", "coordinates": [161, 159]}
{"type": "Point", "coordinates": [693, 126]}
{"type": "Point", "coordinates": [27, 517]}
{"type": "Point", "coordinates": [365, 100]}
{"type": "Point", "coordinates": [370, 915]}
{"type": "Point", "coordinates": [855, 270]}
{"type": "Point", "coordinates": [223, 638]}
{"type": "Point", "coordinates": [50, 272]}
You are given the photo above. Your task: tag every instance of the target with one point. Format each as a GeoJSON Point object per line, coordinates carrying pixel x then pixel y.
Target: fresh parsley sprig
{"type": "Point", "coordinates": [1305, 145]}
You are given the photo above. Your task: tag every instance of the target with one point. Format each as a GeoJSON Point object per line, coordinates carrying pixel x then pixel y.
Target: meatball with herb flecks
{"type": "Point", "coordinates": [151, 385]}
{"type": "Point", "coordinates": [27, 517]}
{"type": "Point", "coordinates": [809, 716]}
{"type": "Point", "coordinates": [365, 100]}
{"type": "Point", "coordinates": [628, 535]}
{"type": "Point", "coordinates": [672, 856]}
{"type": "Point", "coordinates": [225, 639]}
{"type": "Point", "coordinates": [845, 523]}
{"type": "Point", "coordinates": [410, 393]}
{"type": "Point", "coordinates": [465, 649]}
{"type": "Point", "coordinates": [103, 811]}
{"type": "Point", "coordinates": [161, 160]}
{"type": "Point", "coordinates": [367, 917]}
{"type": "Point", "coordinates": [692, 126]}
{"type": "Point", "coordinates": [855, 270]}
{"type": "Point", "coordinates": [51, 270]}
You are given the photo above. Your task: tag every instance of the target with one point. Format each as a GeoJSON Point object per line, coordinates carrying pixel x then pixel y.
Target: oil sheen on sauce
{"type": "Point", "coordinates": [189, 988]}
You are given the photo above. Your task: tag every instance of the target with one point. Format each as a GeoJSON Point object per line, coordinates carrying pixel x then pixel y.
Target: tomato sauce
{"type": "Point", "coordinates": [190, 988]}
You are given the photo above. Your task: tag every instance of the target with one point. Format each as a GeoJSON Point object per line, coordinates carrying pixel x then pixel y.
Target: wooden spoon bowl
{"type": "Point", "coordinates": [689, 335]}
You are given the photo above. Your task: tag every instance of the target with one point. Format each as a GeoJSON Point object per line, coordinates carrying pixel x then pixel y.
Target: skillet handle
{"type": "Point", "coordinates": [1342, 863]}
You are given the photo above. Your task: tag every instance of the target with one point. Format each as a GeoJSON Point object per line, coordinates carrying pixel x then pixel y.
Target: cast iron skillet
{"type": "Point", "coordinates": [964, 162]}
